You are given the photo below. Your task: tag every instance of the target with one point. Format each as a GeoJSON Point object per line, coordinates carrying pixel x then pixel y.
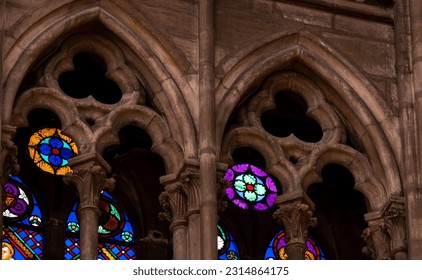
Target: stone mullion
{"type": "Point", "coordinates": [89, 177]}
{"type": "Point", "coordinates": [173, 202]}
{"type": "Point", "coordinates": [296, 214]}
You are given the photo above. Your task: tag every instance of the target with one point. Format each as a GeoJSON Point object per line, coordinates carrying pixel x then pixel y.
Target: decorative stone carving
{"type": "Point", "coordinates": [295, 212]}
{"type": "Point", "coordinates": [90, 181]}
{"type": "Point", "coordinates": [377, 240]}
{"type": "Point", "coordinates": [386, 234]}
{"type": "Point", "coordinates": [395, 222]}
{"type": "Point", "coordinates": [173, 203]}
{"type": "Point", "coordinates": [189, 182]}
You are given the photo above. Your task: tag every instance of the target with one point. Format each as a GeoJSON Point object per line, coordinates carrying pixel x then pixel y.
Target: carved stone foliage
{"type": "Point", "coordinates": [377, 240]}
{"type": "Point", "coordinates": [386, 233]}
{"type": "Point", "coordinates": [89, 177]}
{"type": "Point", "coordinates": [296, 216]}
{"type": "Point", "coordinates": [181, 197]}
{"type": "Point", "coordinates": [173, 203]}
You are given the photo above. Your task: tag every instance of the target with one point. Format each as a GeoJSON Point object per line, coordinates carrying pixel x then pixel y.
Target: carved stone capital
{"type": "Point", "coordinates": [395, 222]}
{"type": "Point", "coordinates": [377, 240]}
{"type": "Point", "coordinates": [173, 202]}
{"type": "Point", "coordinates": [295, 212]}
{"type": "Point", "coordinates": [189, 182]}
{"type": "Point", "coordinates": [89, 177]}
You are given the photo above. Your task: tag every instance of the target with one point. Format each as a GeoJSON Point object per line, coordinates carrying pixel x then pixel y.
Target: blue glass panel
{"type": "Point", "coordinates": [227, 247]}
{"type": "Point", "coordinates": [72, 251]}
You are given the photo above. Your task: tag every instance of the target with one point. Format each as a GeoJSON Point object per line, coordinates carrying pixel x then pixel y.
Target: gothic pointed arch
{"type": "Point", "coordinates": [343, 86]}
{"type": "Point", "coordinates": [159, 68]}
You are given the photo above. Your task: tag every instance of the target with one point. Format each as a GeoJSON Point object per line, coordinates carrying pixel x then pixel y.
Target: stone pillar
{"type": "Point", "coordinates": [89, 177]}
{"type": "Point", "coordinates": [154, 246]}
{"type": "Point", "coordinates": [207, 130]}
{"type": "Point", "coordinates": [8, 165]}
{"type": "Point", "coordinates": [413, 186]}
{"type": "Point", "coordinates": [190, 184]}
{"type": "Point", "coordinates": [173, 201]}
{"type": "Point", "coordinates": [295, 212]}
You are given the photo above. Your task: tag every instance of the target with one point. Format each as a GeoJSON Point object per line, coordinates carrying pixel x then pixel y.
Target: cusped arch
{"type": "Point", "coordinates": [152, 123]}
{"type": "Point", "coordinates": [35, 98]}
{"type": "Point", "coordinates": [276, 162]}
{"type": "Point", "coordinates": [43, 29]}
{"type": "Point", "coordinates": [354, 98]}
{"type": "Point", "coordinates": [356, 163]}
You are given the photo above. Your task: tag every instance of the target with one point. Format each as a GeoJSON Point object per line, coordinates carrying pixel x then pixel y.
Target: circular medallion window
{"type": "Point", "coordinates": [50, 150]}
{"type": "Point", "coordinates": [250, 187]}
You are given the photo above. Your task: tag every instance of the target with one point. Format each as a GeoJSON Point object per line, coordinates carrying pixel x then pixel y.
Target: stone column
{"type": "Point", "coordinates": [412, 186]}
{"type": "Point", "coordinates": [173, 202]}
{"type": "Point", "coordinates": [89, 177]}
{"type": "Point", "coordinates": [190, 184]}
{"type": "Point", "coordinates": [207, 130]}
{"type": "Point", "coordinates": [295, 212]}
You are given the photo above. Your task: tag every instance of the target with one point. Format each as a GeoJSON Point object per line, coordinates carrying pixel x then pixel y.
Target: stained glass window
{"type": "Point", "coordinates": [250, 187]}
{"type": "Point", "coordinates": [50, 149]}
{"type": "Point", "coordinates": [227, 247]}
{"type": "Point", "coordinates": [23, 224]}
{"type": "Point", "coordinates": [116, 237]}
{"type": "Point", "coordinates": [278, 243]}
